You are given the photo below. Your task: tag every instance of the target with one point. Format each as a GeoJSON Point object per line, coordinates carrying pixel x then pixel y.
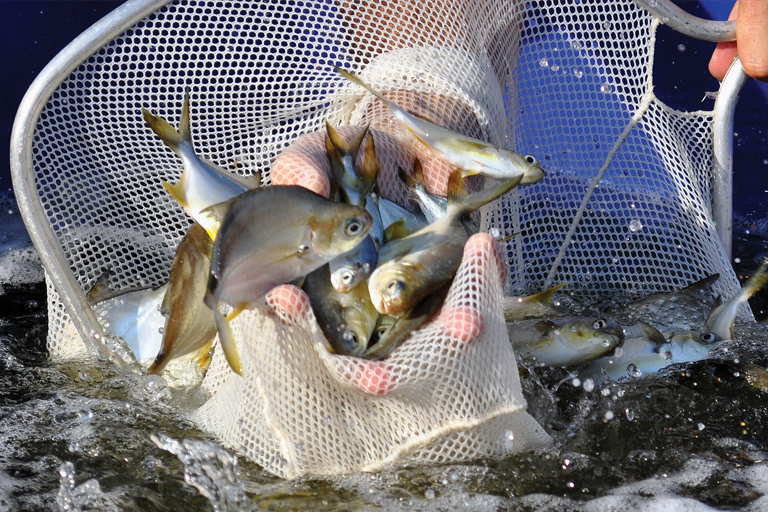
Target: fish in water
{"type": "Point", "coordinates": [539, 305]}
{"type": "Point", "coordinates": [133, 315]}
{"type": "Point", "coordinates": [472, 156]}
{"type": "Point", "coordinates": [202, 183]}
{"type": "Point", "coordinates": [191, 328]}
{"type": "Point", "coordinates": [270, 236]}
{"type": "Point", "coordinates": [346, 319]}
{"type": "Point", "coordinates": [413, 267]}
{"type": "Point", "coordinates": [721, 318]}
{"type": "Point", "coordinates": [564, 341]}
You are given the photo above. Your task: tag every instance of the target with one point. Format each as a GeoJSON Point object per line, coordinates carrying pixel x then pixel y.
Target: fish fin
{"type": "Point", "coordinates": [172, 137]}
{"type": "Point", "coordinates": [510, 237]}
{"type": "Point", "coordinates": [396, 230]}
{"type": "Point", "coordinates": [652, 334]}
{"type": "Point", "coordinates": [484, 196]}
{"type": "Point", "coordinates": [456, 192]}
{"type": "Point", "coordinates": [544, 326]}
{"type": "Point", "coordinates": [165, 306]}
{"type": "Point", "coordinates": [227, 341]}
{"type": "Point", "coordinates": [338, 142]}
{"type": "Point", "coordinates": [354, 79]}
{"type": "Point", "coordinates": [177, 193]}
{"type": "Point", "coordinates": [370, 166]}
{"type": "Point", "coordinates": [701, 284]}
{"type": "Point", "coordinates": [757, 281]}
{"type": "Point", "coordinates": [546, 295]}
{"type": "Point", "coordinates": [466, 173]}
{"type": "Point", "coordinates": [236, 311]}
{"type": "Point", "coordinates": [213, 216]}
{"type": "Point", "coordinates": [100, 290]}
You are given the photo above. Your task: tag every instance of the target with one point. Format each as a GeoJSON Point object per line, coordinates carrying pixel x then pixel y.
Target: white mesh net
{"type": "Point", "coordinates": [558, 79]}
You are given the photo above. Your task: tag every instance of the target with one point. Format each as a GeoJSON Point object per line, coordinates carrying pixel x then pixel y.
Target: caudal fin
{"type": "Point", "coordinates": [171, 136]}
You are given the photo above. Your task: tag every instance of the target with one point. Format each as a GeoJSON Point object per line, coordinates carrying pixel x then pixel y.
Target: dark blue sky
{"type": "Point", "coordinates": [33, 32]}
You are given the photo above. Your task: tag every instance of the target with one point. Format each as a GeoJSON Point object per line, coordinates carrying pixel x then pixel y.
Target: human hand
{"type": "Point", "coordinates": [751, 41]}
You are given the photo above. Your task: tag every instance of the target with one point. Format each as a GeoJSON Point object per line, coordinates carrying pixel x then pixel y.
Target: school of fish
{"type": "Point", "coordinates": [373, 271]}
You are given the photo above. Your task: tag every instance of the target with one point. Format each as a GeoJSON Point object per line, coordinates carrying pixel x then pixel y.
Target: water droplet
{"type": "Point", "coordinates": [701, 426]}
{"type": "Point", "coordinates": [300, 447]}
{"type": "Point", "coordinates": [765, 161]}
{"type": "Point", "coordinates": [429, 494]}
{"type": "Point", "coordinates": [578, 73]}
{"type": "Point", "coordinates": [630, 414]}
{"type": "Point", "coordinates": [606, 88]}
{"type": "Point", "coordinates": [571, 485]}
{"type": "Point", "coordinates": [635, 225]}
{"type": "Point", "coordinates": [737, 260]}
{"type": "Point", "coordinates": [161, 330]}
{"type": "Point", "coordinates": [681, 47]}
{"type": "Point", "coordinates": [607, 343]}
{"type": "Point", "coordinates": [606, 25]}
{"type": "Point", "coordinates": [494, 232]}
{"type": "Point", "coordinates": [605, 391]}
{"type": "Point", "coordinates": [608, 415]}
{"type": "Point", "coordinates": [509, 440]}
{"type": "Point", "coordinates": [653, 3]}
{"type": "Point", "coordinates": [543, 62]}
{"type": "Point", "coordinates": [588, 385]}
{"type": "Point", "coordinates": [576, 45]}
{"type": "Point", "coordinates": [554, 67]}
{"type": "Point", "coordinates": [576, 383]}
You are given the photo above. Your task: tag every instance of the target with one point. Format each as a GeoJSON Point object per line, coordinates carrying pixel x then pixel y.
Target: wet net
{"type": "Point", "coordinates": [624, 209]}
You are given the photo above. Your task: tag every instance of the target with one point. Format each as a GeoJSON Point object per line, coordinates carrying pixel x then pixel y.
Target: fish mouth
{"type": "Point", "coordinates": [532, 175]}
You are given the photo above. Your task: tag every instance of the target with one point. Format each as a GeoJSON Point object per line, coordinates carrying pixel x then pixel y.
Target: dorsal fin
{"type": "Point", "coordinates": [701, 284]}
{"type": "Point", "coordinates": [545, 296]}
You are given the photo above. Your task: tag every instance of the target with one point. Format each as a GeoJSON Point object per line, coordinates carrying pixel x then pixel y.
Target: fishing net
{"type": "Point", "coordinates": [624, 209]}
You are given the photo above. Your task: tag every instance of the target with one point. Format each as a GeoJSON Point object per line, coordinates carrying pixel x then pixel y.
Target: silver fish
{"type": "Point", "coordinates": [564, 341]}
{"type": "Point", "coordinates": [415, 266]}
{"type": "Point", "coordinates": [433, 207]}
{"type": "Point", "coordinates": [270, 236]}
{"type": "Point", "coordinates": [721, 318]}
{"type": "Point", "coordinates": [191, 328]}
{"type": "Point", "coordinates": [202, 183]}
{"type": "Point", "coordinates": [472, 156]}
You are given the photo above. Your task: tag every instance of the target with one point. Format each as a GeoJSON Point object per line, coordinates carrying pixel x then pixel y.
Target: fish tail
{"type": "Point", "coordinates": [478, 199]}
{"type": "Point", "coordinates": [171, 136]}
{"type": "Point", "coordinates": [756, 282]}
{"type": "Point", "coordinates": [370, 166]}
{"type": "Point", "coordinates": [177, 192]}
{"type": "Point", "coordinates": [546, 295]}
{"type": "Point", "coordinates": [354, 79]}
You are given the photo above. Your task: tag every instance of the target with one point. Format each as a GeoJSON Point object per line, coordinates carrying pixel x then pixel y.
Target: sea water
{"type": "Point", "coordinates": [81, 436]}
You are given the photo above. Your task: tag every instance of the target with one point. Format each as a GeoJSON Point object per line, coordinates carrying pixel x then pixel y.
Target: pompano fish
{"type": "Point", "coordinates": [433, 207]}
{"type": "Point", "coordinates": [346, 319]}
{"type": "Point", "coordinates": [564, 341]}
{"type": "Point", "coordinates": [132, 315]}
{"type": "Point", "coordinates": [190, 328]}
{"type": "Point", "coordinates": [415, 266]}
{"type": "Point", "coordinates": [202, 183]}
{"type": "Point", "coordinates": [471, 155]}
{"type": "Point", "coordinates": [538, 305]}
{"type": "Point", "coordinates": [270, 236]}
{"type": "Point", "coordinates": [721, 318]}
{"type": "Point", "coordinates": [354, 183]}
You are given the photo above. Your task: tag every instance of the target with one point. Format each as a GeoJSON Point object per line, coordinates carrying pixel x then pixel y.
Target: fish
{"type": "Point", "coordinates": [432, 207]}
{"type": "Point", "coordinates": [393, 212]}
{"type": "Point", "coordinates": [412, 267]}
{"type": "Point", "coordinates": [346, 319]}
{"type": "Point", "coordinates": [270, 236]}
{"type": "Point", "coordinates": [353, 184]}
{"type": "Point", "coordinates": [722, 317]}
{"type": "Point", "coordinates": [471, 155]}
{"type": "Point", "coordinates": [539, 305]}
{"type": "Point", "coordinates": [202, 183]}
{"type": "Point", "coordinates": [392, 331]}
{"type": "Point", "coordinates": [133, 315]}
{"type": "Point", "coordinates": [190, 328]}
{"type": "Point", "coordinates": [566, 341]}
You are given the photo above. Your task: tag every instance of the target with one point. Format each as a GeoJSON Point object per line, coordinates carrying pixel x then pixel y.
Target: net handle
{"type": "Point", "coordinates": [693, 26]}
{"type": "Point", "coordinates": [23, 174]}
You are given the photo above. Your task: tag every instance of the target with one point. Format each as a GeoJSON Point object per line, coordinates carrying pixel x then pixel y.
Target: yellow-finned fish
{"type": "Point", "coordinates": [538, 305]}
{"type": "Point", "coordinates": [346, 319]}
{"type": "Point", "coordinates": [415, 266]}
{"type": "Point", "coordinates": [564, 341]}
{"type": "Point", "coordinates": [270, 236]}
{"type": "Point", "coordinates": [202, 183]}
{"type": "Point", "coordinates": [191, 328]}
{"type": "Point", "coordinates": [472, 156]}
{"type": "Point", "coordinates": [721, 318]}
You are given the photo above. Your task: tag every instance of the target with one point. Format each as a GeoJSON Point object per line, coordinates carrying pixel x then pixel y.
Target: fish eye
{"type": "Point", "coordinates": [354, 339]}
{"type": "Point", "coordinates": [599, 324]}
{"type": "Point", "coordinates": [531, 159]}
{"type": "Point", "coordinates": [347, 277]}
{"type": "Point", "coordinates": [353, 227]}
{"type": "Point", "coordinates": [393, 286]}
{"type": "Point", "coordinates": [708, 337]}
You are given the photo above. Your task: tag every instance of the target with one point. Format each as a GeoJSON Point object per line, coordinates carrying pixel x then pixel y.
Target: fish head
{"type": "Point", "coordinates": [529, 165]}
{"type": "Point", "coordinates": [394, 287]}
{"type": "Point", "coordinates": [360, 325]}
{"type": "Point", "coordinates": [338, 228]}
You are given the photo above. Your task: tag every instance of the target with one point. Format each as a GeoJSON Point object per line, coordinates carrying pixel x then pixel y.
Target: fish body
{"type": "Point", "coordinates": [191, 328]}
{"type": "Point", "coordinates": [135, 316]}
{"type": "Point", "coordinates": [415, 266]}
{"type": "Point", "coordinates": [471, 155]}
{"type": "Point", "coordinates": [539, 305]}
{"type": "Point", "coordinates": [564, 341]}
{"type": "Point", "coordinates": [433, 207]}
{"type": "Point", "coordinates": [393, 212]}
{"type": "Point", "coordinates": [270, 236]}
{"type": "Point", "coordinates": [202, 183]}
{"type": "Point", "coordinates": [346, 319]}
